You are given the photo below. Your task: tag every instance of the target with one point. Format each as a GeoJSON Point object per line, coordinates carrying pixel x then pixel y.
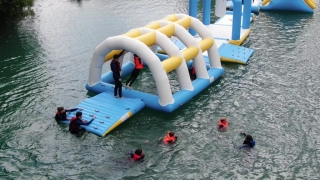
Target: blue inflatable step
{"type": "Point", "coordinates": [109, 111]}
{"type": "Point", "coordinates": [233, 53]}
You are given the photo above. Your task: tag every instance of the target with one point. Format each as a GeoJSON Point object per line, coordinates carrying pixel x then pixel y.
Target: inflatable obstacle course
{"type": "Point", "coordinates": [144, 42]}
{"type": "Point", "coordinates": [198, 48]}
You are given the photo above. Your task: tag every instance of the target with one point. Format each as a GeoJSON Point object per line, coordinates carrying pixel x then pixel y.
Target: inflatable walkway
{"type": "Point", "coordinates": [109, 111]}
{"type": "Point", "coordinates": [229, 50]}
{"type": "Point", "coordinates": [306, 6]}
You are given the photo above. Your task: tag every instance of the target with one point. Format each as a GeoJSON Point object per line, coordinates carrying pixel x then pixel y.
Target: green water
{"type": "Point", "coordinates": [45, 62]}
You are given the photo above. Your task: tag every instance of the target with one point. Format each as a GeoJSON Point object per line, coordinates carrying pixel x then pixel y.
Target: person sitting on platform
{"type": "Point", "coordinates": [61, 113]}
{"type": "Point", "coordinates": [76, 121]}
{"type": "Point", "coordinates": [137, 155]}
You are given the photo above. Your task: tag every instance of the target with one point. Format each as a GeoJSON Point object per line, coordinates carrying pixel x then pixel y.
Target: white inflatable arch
{"type": "Point", "coordinates": [138, 42]}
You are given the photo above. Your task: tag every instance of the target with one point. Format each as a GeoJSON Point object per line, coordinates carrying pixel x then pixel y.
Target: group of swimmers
{"type": "Point", "coordinates": [75, 122]}
{"type": "Point", "coordinates": [247, 143]}
{"type": "Point", "coordinates": [169, 138]}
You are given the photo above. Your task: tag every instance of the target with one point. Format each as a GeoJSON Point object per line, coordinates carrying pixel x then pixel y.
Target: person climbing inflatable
{"type": "Point", "coordinates": [223, 124]}
{"type": "Point", "coordinates": [170, 138]}
{"type": "Point", "coordinates": [192, 72]}
{"type": "Point", "coordinates": [137, 155]}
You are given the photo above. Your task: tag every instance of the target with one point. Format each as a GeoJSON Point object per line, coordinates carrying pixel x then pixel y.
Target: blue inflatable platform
{"type": "Point", "coordinates": [228, 53]}
{"type": "Point", "coordinates": [237, 54]}
{"type": "Point", "coordinates": [109, 111]}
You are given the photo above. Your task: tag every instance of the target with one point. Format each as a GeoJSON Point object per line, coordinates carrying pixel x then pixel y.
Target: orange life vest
{"type": "Point", "coordinates": [224, 125]}
{"type": "Point", "coordinates": [138, 63]}
{"type": "Point", "coordinates": [169, 139]}
{"type": "Point", "coordinates": [136, 157]}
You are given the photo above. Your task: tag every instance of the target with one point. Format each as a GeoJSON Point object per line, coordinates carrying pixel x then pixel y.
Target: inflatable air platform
{"type": "Point", "coordinates": [183, 41]}
{"type": "Point", "coordinates": [306, 6]}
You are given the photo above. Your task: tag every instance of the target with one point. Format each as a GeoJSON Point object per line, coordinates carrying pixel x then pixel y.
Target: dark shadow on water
{"type": "Point", "coordinates": [79, 2]}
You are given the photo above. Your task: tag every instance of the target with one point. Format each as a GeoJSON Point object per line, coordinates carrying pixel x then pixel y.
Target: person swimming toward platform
{"type": "Point", "coordinates": [76, 121]}
{"type": "Point", "coordinates": [170, 138]}
{"type": "Point", "coordinates": [223, 124]}
{"type": "Point", "coordinates": [137, 155]}
{"type": "Point", "coordinates": [248, 142]}
{"type": "Point", "coordinates": [61, 113]}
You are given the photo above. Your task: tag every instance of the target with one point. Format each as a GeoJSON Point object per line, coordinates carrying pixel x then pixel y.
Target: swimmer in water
{"type": "Point", "coordinates": [223, 124]}
{"type": "Point", "coordinates": [248, 142]}
{"type": "Point", "coordinates": [61, 113]}
{"type": "Point", "coordinates": [170, 138]}
{"type": "Point", "coordinates": [137, 155]}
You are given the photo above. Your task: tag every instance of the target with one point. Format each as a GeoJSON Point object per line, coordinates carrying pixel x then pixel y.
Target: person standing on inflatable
{"type": "Point", "coordinates": [248, 142]}
{"type": "Point", "coordinates": [170, 138]}
{"type": "Point", "coordinates": [223, 124]}
{"type": "Point", "coordinates": [115, 67]}
{"type": "Point", "coordinates": [137, 155]}
{"type": "Point", "coordinates": [138, 65]}
{"type": "Point", "coordinates": [76, 121]}
{"type": "Point", "coordinates": [61, 113]}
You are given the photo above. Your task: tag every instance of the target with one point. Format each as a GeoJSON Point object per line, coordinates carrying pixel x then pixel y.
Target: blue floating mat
{"type": "Point", "coordinates": [233, 53]}
{"type": "Point", "coordinates": [109, 111]}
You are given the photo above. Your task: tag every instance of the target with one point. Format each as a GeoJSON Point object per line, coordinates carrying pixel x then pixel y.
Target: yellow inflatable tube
{"type": "Point", "coordinates": [167, 30]}
{"type": "Point", "coordinates": [171, 63]}
{"type": "Point", "coordinates": [265, 2]}
{"type": "Point", "coordinates": [311, 3]}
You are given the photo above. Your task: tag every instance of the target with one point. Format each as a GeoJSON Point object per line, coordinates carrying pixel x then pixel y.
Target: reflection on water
{"type": "Point", "coordinates": [45, 63]}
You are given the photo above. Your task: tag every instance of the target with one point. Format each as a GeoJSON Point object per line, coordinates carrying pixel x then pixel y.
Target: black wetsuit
{"type": "Point", "coordinates": [116, 68]}
{"type": "Point", "coordinates": [63, 116]}
{"type": "Point", "coordinates": [74, 126]}
{"type": "Point", "coordinates": [250, 143]}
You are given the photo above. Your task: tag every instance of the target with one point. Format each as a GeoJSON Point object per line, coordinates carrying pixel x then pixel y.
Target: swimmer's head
{"type": "Point", "coordinates": [115, 57]}
{"type": "Point", "coordinates": [135, 55]}
{"type": "Point", "coordinates": [249, 138]}
{"type": "Point", "coordinates": [171, 133]}
{"type": "Point", "coordinates": [138, 152]}
{"type": "Point", "coordinates": [223, 119]}
{"type": "Point", "coordinates": [60, 109]}
{"type": "Point", "coordinates": [78, 114]}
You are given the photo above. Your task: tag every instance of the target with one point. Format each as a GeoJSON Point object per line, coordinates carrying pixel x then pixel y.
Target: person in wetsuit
{"type": "Point", "coordinates": [137, 155]}
{"type": "Point", "coordinates": [116, 68]}
{"type": "Point", "coordinates": [135, 73]}
{"type": "Point", "coordinates": [248, 142]}
{"type": "Point", "coordinates": [76, 121]}
{"type": "Point", "coordinates": [61, 113]}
